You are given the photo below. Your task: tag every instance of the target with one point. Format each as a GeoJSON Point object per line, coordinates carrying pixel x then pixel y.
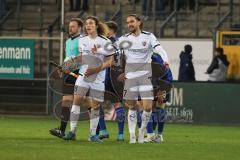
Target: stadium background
{"type": "Point", "coordinates": [37, 29]}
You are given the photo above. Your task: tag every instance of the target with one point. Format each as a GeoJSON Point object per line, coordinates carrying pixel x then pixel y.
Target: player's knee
{"type": "Point", "coordinates": [147, 105]}
{"type": "Point", "coordinates": [67, 101]}
{"type": "Point", "coordinates": [77, 100]}
{"type": "Point", "coordinates": [95, 104]}
{"type": "Point", "coordinates": [85, 102]}
{"type": "Point", "coordinates": [130, 105]}
{"type": "Point", "coordinates": [148, 109]}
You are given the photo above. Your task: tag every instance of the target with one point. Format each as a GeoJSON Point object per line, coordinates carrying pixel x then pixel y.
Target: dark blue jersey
{"type": "Point", "coordinates": [165, 76]}
{"type": "Point", "coordinates": [156, 58]}
{"type": "Point", "coordinates": [108, 83]}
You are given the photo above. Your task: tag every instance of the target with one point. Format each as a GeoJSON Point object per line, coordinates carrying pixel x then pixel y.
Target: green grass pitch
{"type": "Point", "coordinates": [28, 139]}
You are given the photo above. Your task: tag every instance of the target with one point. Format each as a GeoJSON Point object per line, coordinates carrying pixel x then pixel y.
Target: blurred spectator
{"type": "Point", "coordinates": [85, 6]}
{"type": "Point", "coordinates": [160, 7]}
{"type": "Point", "coordinates": [135, 1]}
{"type": "Point", "coordinates": [129, 1]}
{"type": "Point", "coordinates": [186, 69]}
{"type": "Point", "coordinates": [183, 4]}
{"type": "Point", "coordinates": [147, 7]}
{"type": "Point", "coordinates": [180, 4]}
{"type": "Point", "coordinates": [191, 4]}
{"type": "Point", "coordinates": [3, 8]}
{"type": "Point", "coordinates": [75, 5]}
{"type": "Point", "coordinates": [218, 68]}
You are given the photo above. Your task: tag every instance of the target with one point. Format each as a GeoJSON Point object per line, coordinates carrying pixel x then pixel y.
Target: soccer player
{"type": "Point", "coordinates": [114, 88]}
{"type": "Point", "coordinates": [91, 84]}
{"type": "Point", "coordinates": [71, 51]}
{"type": "Point", "coordinates": [163, 84]}
{"type": "Point", "coordinates": [138, 73]}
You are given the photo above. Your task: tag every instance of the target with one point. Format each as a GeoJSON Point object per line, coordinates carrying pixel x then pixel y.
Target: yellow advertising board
{"type": "Point", "coordinates": [230, 42]}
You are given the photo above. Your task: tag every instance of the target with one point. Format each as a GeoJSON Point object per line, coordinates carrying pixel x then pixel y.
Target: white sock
{"type": "Point", "coordinates": [145, 119]}
{"type": "Point", "coordinates": [74, 116]}
{"type": "Point", "coordinates": [94, 119]}
{"type": "Point", "coordinates": [132, 121]}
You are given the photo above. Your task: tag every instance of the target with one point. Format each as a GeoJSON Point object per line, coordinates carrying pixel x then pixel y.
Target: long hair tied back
{"type": "Point", "coordinates": [102, 28]}
{"type": "Point", "coordinates": [138, 19]}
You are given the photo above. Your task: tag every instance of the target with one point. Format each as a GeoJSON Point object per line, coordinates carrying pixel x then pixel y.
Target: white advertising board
{"type": "Point", "coordinates": [202, 55]}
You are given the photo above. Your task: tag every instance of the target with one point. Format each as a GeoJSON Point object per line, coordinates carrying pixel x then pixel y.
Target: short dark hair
{"type": "Point", "coordinates": [219, 50]}
{"type": "Point", "coordinates": [112, 25]}
{"type": "Point", "coordinates": [78, 20]}
{"type": "Point", "coordinates": [188, 48]}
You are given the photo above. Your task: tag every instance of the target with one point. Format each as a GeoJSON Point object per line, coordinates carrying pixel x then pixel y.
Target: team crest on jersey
{"type": "Point", "coordinates": [144, 43]}
{"type": "Point", "coordinates": [98, 45]}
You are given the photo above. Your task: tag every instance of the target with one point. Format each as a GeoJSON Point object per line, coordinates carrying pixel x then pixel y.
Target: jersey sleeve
{"type": "Point", "coordinates": [66, 50]}
{"type": "Point", "coordinates": [118, 46]}
{"type": "Point", "coordinates": [157, 48]}
{"type": "Point", "coordinates": [68, 55]}
{"type": "Point", "coordinates": [106, 49]}
{"type": "Point", "coordinates": [153, 40]}
{"type": "Point", "coordinates": [117, 42]}
{"type": "Point", "coordinates": [80, 46]}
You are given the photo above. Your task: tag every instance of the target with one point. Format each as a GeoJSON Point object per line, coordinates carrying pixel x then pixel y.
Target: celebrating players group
{"type": "Point", "coordinates": [132, 68]}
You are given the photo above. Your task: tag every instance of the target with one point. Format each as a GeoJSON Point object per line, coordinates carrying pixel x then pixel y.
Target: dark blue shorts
{"type": "Point", "coordinates": [164, 85]}
{"type": "Point", "coordinates": [113, 88]}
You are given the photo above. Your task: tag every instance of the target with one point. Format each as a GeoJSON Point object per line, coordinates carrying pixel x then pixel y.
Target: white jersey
{"type": "Point", "coordinates": [140, 52]}
{"type": "Point", "coordinates": [89, 59]}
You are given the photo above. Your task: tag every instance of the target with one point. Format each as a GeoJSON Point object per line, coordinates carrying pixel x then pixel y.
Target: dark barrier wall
{"type": "Point", "coordinates": [204, 103]}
